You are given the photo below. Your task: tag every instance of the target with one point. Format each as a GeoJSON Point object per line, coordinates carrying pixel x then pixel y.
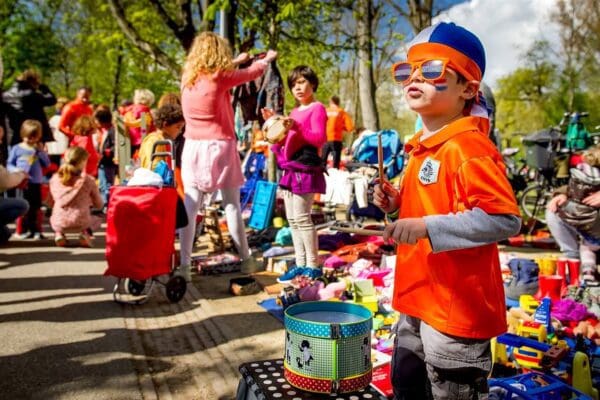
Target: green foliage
{"type": "Point", "coordinates": [552, 81]}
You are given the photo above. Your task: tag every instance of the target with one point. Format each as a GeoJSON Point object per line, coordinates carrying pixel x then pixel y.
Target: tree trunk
{"type": "Point", "coordinates": [116, 83]}
{"type": "Point", "coordinates": [366, 83]}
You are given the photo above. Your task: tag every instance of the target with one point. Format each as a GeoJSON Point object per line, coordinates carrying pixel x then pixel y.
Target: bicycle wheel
{"type": "Point", "coordinates": [533, 201]}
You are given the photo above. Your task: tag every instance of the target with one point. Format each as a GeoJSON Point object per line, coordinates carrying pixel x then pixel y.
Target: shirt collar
{"type": "Point", "coordinates": [452, 129]}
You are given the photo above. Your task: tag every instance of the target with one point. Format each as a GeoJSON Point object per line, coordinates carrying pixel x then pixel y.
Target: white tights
{"type": "Point", "coordinates": [304, 234]}
{"type": "Point", "coordinates": [194, 198]}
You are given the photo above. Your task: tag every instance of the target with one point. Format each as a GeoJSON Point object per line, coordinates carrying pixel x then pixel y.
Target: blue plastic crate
{"type": "Point", "coordinates": [262, 205]}
{"type": "Point", "coordinates": [533, 386]}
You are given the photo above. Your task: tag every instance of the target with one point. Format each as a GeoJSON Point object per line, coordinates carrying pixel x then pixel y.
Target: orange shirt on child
{"type": "Point", "coordinates": [458, 292]}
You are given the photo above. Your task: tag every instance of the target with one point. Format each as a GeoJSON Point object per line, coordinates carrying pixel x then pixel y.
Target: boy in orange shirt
{"type": "Point", "coordinates": [453, 205]}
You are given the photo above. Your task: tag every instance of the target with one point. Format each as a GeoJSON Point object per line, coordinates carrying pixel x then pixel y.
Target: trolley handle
{"type": "Point", "coordinates": [170, 153]}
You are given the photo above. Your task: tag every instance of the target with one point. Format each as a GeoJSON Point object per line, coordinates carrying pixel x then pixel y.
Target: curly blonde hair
{"type": "Point", "coordinates": [209, 53]}
{"type": "Point", "coordinates": [70, 168]}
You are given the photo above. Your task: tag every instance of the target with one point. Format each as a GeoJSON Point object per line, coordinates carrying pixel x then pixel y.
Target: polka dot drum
{"type": "Point", "coordinates": [328, 346]}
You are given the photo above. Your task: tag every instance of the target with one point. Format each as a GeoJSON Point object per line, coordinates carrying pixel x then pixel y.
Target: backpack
{"type": "Point", "coordinates": [578, 138]}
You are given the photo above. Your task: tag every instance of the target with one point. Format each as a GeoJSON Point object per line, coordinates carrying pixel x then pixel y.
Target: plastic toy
{"type": "Point", "coordinates": [532, 386]}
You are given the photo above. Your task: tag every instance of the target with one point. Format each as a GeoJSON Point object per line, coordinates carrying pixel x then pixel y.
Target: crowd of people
{"type": "Point", "coordinates": [453, 205]}
{"type": "Point", "coordinates": [67, 162]}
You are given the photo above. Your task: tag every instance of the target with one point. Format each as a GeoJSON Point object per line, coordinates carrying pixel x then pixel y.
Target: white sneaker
{"type": "Point", "coordinates": [184, 271]}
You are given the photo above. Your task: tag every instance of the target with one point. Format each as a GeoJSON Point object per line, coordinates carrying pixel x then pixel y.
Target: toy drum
{"type": "Point", "coordinates": [328, 346]}
{"type": "Point", "coordinates": [275, 128]}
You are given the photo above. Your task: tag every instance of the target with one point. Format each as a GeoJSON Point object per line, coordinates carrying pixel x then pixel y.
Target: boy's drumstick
{"type": "Point", "coordinates": [380, 164]}
{"type": "Point", "coordinates": [380, 156]}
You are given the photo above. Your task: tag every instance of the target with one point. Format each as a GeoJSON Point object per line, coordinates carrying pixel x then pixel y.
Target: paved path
{"type": "Point", "coordinates": [63, 337]}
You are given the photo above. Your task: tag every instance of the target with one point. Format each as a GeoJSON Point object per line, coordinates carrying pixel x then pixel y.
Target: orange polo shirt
{"type": "Point", "coordinates": [338, 121]}
{"type": "Point", "coordinates": [458, 292]}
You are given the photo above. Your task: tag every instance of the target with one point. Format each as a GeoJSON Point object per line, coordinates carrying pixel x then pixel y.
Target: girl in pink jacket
{"type": "Point", "coordinates": [74, 194]}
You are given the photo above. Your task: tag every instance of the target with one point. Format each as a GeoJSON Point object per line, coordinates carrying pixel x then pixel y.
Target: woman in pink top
{"type": "Point", "coordinates": [74, 193]}
{"type": "Point", "coordinates": [210, 160]}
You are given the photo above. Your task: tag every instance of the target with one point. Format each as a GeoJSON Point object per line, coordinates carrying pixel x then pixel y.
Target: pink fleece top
{"type": "Point", "coordinates": [71, 210]}
{"type": "Point", "coordinates": [207, 106]}
{"type": "Point", "coordinates": [309, 128]}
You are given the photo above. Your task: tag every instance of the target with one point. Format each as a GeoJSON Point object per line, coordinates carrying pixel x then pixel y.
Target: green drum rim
{"type": "Point", "coordinates": [326, 329]}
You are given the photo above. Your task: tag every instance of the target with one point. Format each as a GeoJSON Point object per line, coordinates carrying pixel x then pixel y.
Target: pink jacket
{"type": "Point", "coordinates": [71, 211]}
{"type": "Point", "coordinates": [207, 105]}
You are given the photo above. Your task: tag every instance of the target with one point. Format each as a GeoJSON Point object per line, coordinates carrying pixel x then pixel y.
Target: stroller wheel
{"type": "Point", "coordinates": [175, 288]}
{"type": "Point", "coordinates": [135, 287]}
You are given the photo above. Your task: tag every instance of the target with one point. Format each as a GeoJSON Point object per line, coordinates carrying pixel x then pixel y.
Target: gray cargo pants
{"type": "Point", "coordinates": [428, 364]}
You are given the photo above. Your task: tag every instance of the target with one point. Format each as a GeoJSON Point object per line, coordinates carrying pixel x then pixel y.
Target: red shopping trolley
{"type": "Point", "coordinates": [140, 238]}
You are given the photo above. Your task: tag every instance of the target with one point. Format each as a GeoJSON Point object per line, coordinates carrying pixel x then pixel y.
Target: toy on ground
{"type": "Point", "coordinates": [532, 386]}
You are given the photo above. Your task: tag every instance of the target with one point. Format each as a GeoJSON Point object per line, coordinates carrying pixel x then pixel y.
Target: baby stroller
{"type": "Point", "coordinates": [140, 238]}
{"type": "Point", "coordinates": [365, 172]}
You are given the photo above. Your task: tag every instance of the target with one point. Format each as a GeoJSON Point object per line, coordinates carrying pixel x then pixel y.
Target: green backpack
{"type": "Point", "coordinates": [578, 138]}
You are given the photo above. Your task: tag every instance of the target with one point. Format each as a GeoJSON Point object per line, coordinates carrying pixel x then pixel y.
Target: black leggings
{"type": "Point", "coordinates": [33, 195]}
{"type": "Point", "coordinates": [336, 149]}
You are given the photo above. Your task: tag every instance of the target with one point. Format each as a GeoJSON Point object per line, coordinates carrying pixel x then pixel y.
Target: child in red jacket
{"type": "Point", "coordinates": [83, 130]}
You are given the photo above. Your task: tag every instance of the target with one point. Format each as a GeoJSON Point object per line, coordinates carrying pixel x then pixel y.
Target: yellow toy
{"type": "Point", "coordinates": [528, 357]}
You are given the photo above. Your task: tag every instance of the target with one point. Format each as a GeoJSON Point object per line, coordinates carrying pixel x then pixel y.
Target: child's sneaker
{"type": "Point", "coordinates": [38, 236]}
{"type": "Point", "coordinates": [85, 240]}
{"type": "Point", "coordinates": [312, 273]}
{"type": "Point", "coordinates": [60, 240]}
{"type": "Point", "coordinates": [291, 274]}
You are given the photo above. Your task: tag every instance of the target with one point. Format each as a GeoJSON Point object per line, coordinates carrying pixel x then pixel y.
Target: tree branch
{"type": "Point", "coordinates": [162, 13]}
{"type": "Point", "coordinates": [157, 54]}
{"type": "Point", "coordinates": [185, 31]}
{"type": "Point", "coordinates": [317, 41]}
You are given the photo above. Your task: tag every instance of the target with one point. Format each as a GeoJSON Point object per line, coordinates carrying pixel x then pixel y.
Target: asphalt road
{"type": "Point", "coordinates": [63, 336]}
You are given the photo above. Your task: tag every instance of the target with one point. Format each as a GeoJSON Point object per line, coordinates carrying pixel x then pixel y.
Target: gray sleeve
{"type": "Point", "coordinates": [470, 228]}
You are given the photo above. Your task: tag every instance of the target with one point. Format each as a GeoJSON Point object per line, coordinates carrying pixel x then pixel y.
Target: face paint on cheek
{"type": "Point", "coordinates": [440, 84]}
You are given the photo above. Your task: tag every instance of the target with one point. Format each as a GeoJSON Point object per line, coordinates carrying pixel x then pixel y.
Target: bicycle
{"type": "Point", "coordinates": [551, 163]}
{"type": "Point", "coordinates": [517, 171]}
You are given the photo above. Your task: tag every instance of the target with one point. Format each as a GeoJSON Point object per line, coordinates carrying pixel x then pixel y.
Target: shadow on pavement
{"type": "Point", "coordinates": [17, 259]}
{"type": "Point", "coordinates": [54, 297]}
{"type": "Point", "coordinates": [57, 370]}
{"type": "Point", "coordinates": [49, 371]}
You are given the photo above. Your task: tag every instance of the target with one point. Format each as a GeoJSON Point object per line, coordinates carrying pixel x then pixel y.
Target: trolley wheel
{"type": "Point", "coordinates": [175, 288]}
{"type": "Point", "coordinates": [135, 288]}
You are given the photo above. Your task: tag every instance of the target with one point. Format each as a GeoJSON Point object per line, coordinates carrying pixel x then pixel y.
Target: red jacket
{"type": "Point", "coordinates": [87, 143]}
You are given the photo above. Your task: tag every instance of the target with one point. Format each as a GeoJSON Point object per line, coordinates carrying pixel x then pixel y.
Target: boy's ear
{"type": "Point", "coordinates": [471, 89]}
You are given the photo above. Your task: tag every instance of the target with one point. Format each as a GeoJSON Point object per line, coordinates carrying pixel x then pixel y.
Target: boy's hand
{"type": "Point", "coordinates": [406, 230]}
{"type": "Point", "coordinates": [556, 202]}
{"type": "Point", "coordinates": [385, 196]}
